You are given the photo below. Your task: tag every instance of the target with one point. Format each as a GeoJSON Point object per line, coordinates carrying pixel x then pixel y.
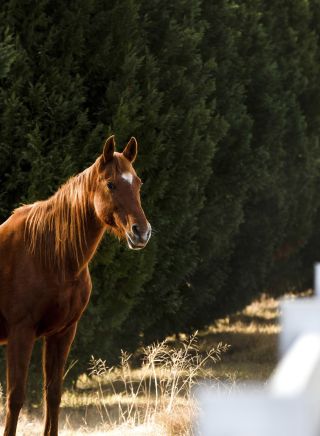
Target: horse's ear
{"type": "Point", "coordinates": [108, 149]}
{"type": "Point", "coordinates": [131, 150]}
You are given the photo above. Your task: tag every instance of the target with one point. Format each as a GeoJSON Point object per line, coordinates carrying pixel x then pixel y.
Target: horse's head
{"type": "Point", "coordinates": [117, 196]}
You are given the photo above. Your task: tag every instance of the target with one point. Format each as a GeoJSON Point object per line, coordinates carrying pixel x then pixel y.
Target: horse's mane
{"type": "Point", "coordinates": [55, 228]}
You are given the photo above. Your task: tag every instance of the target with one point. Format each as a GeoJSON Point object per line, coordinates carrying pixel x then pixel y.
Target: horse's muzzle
{"type": "Point", "coordinates": [138, 239]}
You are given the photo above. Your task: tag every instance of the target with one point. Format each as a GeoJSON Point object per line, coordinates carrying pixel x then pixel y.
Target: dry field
{"type": "Point", "coordinates": [156, 398]}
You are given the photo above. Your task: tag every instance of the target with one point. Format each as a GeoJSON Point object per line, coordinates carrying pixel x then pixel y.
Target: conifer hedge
{"type": "Point", "coordinates": [224, 98]}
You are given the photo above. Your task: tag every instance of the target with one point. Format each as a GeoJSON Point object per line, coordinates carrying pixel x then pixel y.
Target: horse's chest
{"type": "Point", "coordinates": [64, 308]}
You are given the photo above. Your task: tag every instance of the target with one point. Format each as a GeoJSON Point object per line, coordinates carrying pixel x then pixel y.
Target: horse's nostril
{"type": "Point", "coordinates": [135, 230]}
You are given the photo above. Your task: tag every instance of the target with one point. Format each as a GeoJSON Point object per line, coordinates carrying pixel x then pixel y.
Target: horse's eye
{"type": "Point", "coordinates": [111, 186]}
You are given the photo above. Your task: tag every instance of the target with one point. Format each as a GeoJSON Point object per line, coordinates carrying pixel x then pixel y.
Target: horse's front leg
{"type": "Point", "coordinates": [56, 350]}
{"type": "Point", "coordinates": [19, 348]}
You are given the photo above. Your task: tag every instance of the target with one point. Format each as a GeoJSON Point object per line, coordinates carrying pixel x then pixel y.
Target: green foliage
{"type": "Point", "coordinates": [190, 131]}
{"type": "Point", "coordinates": [224, 100]}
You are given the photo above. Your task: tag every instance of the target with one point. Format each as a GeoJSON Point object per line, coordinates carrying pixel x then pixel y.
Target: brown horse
{"type": "Point", "coordinates": [45, 284]}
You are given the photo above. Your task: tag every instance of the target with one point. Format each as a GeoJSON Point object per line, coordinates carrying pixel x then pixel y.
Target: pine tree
{"type": "Point", "coordinates": [114, 60]}
{"type": "Point", "coordinates": [234, 165]}
{"type": "Point", "coordinates": [223, 98]}
{"type": "Point", "coordinates": [189, 131]}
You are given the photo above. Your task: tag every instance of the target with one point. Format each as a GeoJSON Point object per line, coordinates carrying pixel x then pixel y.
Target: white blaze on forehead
{"type": "Point", "coordinates": [128, 177]}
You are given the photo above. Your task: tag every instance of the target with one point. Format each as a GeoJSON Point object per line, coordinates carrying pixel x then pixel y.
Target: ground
{"type": "Point", "coordinates": [157, 398]}
{"type": "Point", "coordinates": [252, 335]}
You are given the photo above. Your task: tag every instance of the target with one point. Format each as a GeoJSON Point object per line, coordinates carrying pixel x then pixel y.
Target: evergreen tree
{"type": "Point", "coordinates": [114, 59]}
{"type": "Point", "coordinates": [235, 165]}
{"type": "Point", "coordinates": [224, 100]}
{"type": "Point", "coordinates": [286, 204]}
{"type": "Point", "coordinates": [189, 132]}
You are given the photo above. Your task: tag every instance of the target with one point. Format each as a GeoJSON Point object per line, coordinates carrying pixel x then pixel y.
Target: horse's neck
{"type": "Point", "coordinates": [94, 231]}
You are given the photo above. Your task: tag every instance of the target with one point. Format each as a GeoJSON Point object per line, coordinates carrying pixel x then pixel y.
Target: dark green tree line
{"type": "Point", "coordinates": [223, 97]}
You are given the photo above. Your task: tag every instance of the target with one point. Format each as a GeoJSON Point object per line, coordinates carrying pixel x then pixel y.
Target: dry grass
{"type": "Point", "coordinates": [158, 395]}
{"type": "Point", "coordinates": [252, 335]}
{"type": "Point", "coordinates": [157, 398]}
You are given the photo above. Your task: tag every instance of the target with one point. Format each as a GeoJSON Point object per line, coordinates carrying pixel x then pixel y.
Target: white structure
{"type": "Point", "coordinates": [289, 404]}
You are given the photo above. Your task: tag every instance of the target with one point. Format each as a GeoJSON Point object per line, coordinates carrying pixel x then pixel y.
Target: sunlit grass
{"type": "Point", "coordinates": [158, 395]}
{"type": "Point", "coordinates": [156, 398]}
{"type": "Point", "coordinates": [261, 316]}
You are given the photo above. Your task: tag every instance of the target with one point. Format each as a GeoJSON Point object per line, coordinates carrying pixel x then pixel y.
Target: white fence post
{"type": "Point", "coordinates": [317, 280]}
{"type": "Point", "coordinates": [289, 404]}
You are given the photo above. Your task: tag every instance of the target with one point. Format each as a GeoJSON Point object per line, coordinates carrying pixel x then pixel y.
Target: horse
{"type": "Point", "coordinates": [45, 284]}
